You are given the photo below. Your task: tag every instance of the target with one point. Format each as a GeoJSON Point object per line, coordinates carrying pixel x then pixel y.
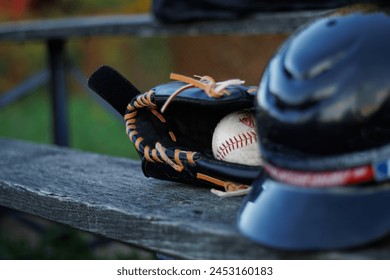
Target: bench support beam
{"type": "Point", "coordinates": [58, 90]}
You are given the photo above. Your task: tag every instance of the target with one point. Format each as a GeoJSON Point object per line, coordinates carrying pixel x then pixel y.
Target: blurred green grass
{"type": "Point", "coordinates": [91, 127]}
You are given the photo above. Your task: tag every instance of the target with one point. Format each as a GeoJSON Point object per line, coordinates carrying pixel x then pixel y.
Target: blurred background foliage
{"type": "Point", "coordinates": [91, 127]}
{"type": "Point", "coordinates": [144, 61]}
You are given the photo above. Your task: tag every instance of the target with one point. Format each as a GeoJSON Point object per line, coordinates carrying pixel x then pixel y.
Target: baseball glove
{"type": "Point", "coordinates": [172, 125]}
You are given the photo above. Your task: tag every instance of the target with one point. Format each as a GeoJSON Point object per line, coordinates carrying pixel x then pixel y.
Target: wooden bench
{"type": "Point", "coordinates": [111, 197]}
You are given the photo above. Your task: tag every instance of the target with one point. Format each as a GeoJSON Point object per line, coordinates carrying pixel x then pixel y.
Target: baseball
{"type": "Point", "coordinates": [235, 139]}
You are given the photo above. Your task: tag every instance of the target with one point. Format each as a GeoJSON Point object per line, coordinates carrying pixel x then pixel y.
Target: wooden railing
{"type": "Point", "coordinates": [55, 33]}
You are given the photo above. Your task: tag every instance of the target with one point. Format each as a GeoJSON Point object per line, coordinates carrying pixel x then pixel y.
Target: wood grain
{"type": "Point", "coordinates": [111, 197]}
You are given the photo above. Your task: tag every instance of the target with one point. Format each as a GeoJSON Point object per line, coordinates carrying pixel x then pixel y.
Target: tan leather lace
{"type": "Point", "coordinates": [231, 188]}
{"type": "Point", "coordinates": [206, 83]}
{"type": "Point", "coordinates": [158, 153]}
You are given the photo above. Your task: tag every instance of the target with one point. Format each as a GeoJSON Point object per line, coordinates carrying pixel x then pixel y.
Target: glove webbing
{"type": "Point", "coordinates": [206, 83]}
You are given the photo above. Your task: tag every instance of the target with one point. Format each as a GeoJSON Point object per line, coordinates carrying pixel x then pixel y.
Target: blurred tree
{"type": "Point", "coordinates": [87, 7]}
{"type": "Point", "coordinates": [13, 9]}
{"type": "Point", "coordinates": [47, 7]}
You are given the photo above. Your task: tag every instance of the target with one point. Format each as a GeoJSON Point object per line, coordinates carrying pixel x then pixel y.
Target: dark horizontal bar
{"type": "Point", "coordinates": [146, 25]}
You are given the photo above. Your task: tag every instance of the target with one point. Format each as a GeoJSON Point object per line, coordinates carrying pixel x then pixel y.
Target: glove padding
{"type": "Point", "coordinates": [172, 125]}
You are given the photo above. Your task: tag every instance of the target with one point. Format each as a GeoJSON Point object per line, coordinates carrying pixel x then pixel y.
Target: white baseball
{"type": "Point", "coordinates": [235, 139]}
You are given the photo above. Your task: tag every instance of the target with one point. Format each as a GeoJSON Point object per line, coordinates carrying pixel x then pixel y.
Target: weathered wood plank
{"type": "Point", "coordinates": [110, 197]}
{"type": "Point", "coordinates": [145, 26]}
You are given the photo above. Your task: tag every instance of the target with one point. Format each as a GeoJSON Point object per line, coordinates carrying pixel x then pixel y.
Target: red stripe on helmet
{"type": "Point", "coordinates": [351, 176]}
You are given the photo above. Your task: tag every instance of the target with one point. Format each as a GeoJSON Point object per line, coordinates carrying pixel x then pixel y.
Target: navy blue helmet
{"type": "Point", "coordinates": [323, 118]}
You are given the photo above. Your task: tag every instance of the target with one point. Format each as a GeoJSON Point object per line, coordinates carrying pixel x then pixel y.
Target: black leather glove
{"type": "Point", "coordinates": [172, 125]}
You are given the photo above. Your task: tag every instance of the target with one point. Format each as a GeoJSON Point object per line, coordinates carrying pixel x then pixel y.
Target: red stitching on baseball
{"type": "Point", "coordinates": [233, 143]}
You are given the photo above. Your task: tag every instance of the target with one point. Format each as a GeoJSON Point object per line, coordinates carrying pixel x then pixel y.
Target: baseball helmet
{"type": "Point", "coordinates": [323, 118]}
